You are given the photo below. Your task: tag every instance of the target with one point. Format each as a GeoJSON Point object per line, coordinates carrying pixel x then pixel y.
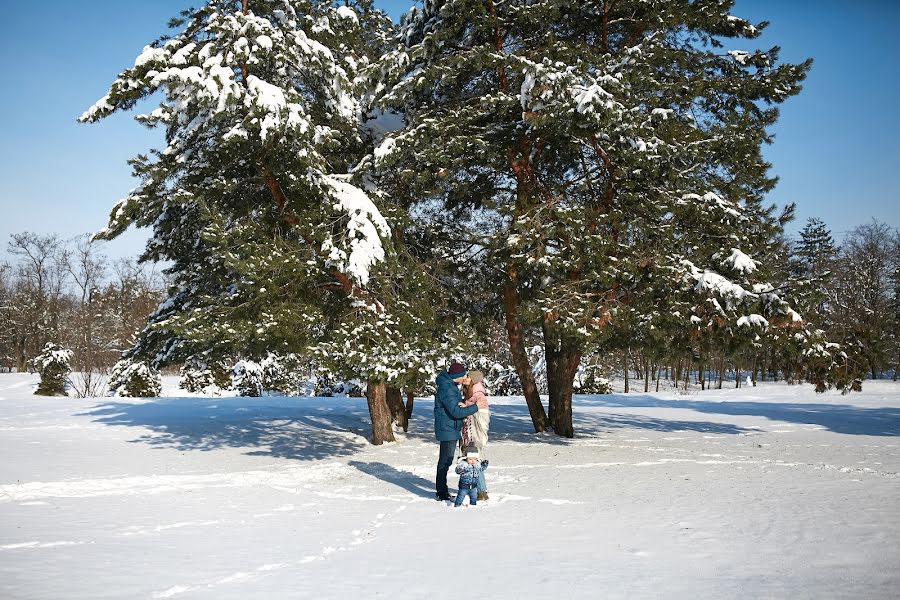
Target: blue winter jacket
{"type": "Point", "coordinates": [448, 417]}
{"type": "Point", "coordinates": [468, 474]}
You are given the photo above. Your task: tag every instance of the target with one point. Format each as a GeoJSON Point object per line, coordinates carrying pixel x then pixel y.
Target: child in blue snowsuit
{"type": "Point", "coordinates": [469, 469]}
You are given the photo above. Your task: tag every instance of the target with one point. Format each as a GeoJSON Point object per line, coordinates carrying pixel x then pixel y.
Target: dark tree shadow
{"type": "Point", "coordinates": [839, 418]}
{"type": "Point", "coordinates": [404, 479]}
{"type": "Point", "coordinates": [296, 428]}
{"type": "Point", "coordinates": [512, 422]}
{"type": "Point", "coordinates": [317, 428]}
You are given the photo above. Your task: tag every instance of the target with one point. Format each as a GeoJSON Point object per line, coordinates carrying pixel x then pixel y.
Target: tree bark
{"type": "Point", "coordinates": [380, 414]}
{"type": "Point", "coordinates": [562, 364]}
{"type": "Point", "coordinates": [519, 355]}
{"type": "Point", "coordinates": [646, 374]}
{"type": "Point", "coordinates": [398, 410]}
{"type": "Point", "coordinates": [410, 399]}
{"type": "Point", "coordinates": [701, 375]}
{"type": "Point", "coordinates": [721, 371]}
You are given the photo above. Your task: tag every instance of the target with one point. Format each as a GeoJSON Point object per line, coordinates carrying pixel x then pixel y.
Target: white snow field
{"type": "Point", "coordinates": [766, 492]}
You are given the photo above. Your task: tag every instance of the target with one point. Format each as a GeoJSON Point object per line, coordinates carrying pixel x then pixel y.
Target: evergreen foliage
{"type": "Point", "coordinates": [247, 378]}
{"type": "Point", "coordinates": [250, 200]}
{"type": "Point", "coordinates": [135, 379]}
{"type": "Point", "coordinates": [204, 374]}
{"type": "Point", "coordinates": [53, 365]}
{"type": "Point", "coordinates": [285, 374]}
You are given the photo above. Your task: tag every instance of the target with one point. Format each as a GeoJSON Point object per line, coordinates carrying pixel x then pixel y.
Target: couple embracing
{"type": "Point", "coordinates": [461, 418]}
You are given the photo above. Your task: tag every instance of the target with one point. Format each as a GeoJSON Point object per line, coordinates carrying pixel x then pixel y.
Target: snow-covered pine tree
{"type": "Point", "coordinates": [135, 378]}
{"type": "Point", "coordinates": [204, 373]}
{"type": "Point", "coordinates": [614, 146]}
{"type": "Point", "coordinates": [251, 200]}
{"type": "Point", "coordinates": [284, 373]}
{"type": "Point", "coordinates": [53, 365]}
{"type": "Point", "coordinates": [247, 378]}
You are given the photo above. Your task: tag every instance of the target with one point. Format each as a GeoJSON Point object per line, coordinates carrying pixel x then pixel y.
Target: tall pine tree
{"type": "Point", "coordinates": [253, 200]}
{"type": "Point", "coordinates": [604, 157]}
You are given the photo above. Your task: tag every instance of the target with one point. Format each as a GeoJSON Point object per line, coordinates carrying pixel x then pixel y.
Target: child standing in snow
{"type": "Point", "coordinates": [475, 427]}
{"type": "Point", "coordinates": [469, 470]}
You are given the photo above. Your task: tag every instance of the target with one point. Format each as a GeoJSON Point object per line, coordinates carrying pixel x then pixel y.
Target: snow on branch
{"type": "Point", "coordinates": [713, 200]}
{"type": "Point", "coordinates": [753, 320]}
{"type": "Point", "coordinates": [740, 262]}
{"type": "Point", "coordinates": [365, 228]}
{"type": "Point", "coordinates": [710, 281]}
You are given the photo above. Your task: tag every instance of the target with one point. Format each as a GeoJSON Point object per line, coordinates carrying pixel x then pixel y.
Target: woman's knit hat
{"type": "Point", "coordinates": [476, 376]}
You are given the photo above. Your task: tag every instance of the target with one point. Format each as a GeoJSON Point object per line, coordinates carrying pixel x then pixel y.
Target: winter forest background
{"type": "Point", "coordinates": [345, 203]}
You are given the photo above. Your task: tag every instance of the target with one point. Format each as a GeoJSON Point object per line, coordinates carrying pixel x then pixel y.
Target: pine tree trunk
{"type": "Point", "coordinates": [519, 355]}
{"type": "Point", "coordinates": [376, 394]}
{"type": "Point", "coordinates": [562, 364]}
{"type": "Point", "coordinates": [753, 373]}
{"type": "Point", "coordinates": [410, 399]}
{"type": "Point", "coordinates": [625, 367]}
{"type": "Point", "coordinates": [646, 375]}
{"type": "Point", "coordinates": [398, 410]}
{"type": "Point", "coordinates": [721, 371]}
{"type": "Point", "coordinates": [701, 376]}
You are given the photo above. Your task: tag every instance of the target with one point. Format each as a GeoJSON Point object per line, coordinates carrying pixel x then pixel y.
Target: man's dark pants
{"type": "Point", "coordinates": [445, 461]}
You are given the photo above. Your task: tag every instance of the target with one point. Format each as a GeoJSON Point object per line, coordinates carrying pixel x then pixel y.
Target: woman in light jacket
{"type": "Point", "coordinates": [476, 426]}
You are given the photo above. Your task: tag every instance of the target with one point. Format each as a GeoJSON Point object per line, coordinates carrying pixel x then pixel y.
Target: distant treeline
{"type": "Point", "coordinates": [68, 292]}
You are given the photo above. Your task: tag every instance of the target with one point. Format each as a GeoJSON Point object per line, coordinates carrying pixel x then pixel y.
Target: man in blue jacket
{"type": "Point", "coordinates": [448, 420]}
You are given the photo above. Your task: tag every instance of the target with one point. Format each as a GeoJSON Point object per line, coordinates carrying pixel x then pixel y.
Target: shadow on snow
{"type": "Point", "coordinates": [839, 418]}
{"type": "Point", "coordinates": [314, 429]}
{"type": "Point", "coordinates": [404, 479]}
{"type": "Point", "coordinates": [512, 422]}
{"type": "Point", "coordinates": [270, 426]}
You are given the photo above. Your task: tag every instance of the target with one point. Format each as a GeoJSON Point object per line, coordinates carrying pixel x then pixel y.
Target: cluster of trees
{"type": "Point", "coordinates": [69, 293]}
{"type": "Point", "coordinates": [853, 291]}
{"type": "Point", "coordinates": [581, 177]}
{"type": "Point", "coordinates": [848, 294]}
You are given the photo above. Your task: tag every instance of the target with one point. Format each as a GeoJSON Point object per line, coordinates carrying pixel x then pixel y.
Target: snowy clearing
{"type": "Point", "coordinates": [766, 492]}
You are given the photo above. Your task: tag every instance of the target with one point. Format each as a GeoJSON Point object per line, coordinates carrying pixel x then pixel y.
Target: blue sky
{"type": "Point", "coordinates": [836, 148]}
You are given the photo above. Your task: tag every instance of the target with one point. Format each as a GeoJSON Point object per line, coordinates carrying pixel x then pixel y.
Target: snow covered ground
{"type": "Point", "coordinates": [767, 492]}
